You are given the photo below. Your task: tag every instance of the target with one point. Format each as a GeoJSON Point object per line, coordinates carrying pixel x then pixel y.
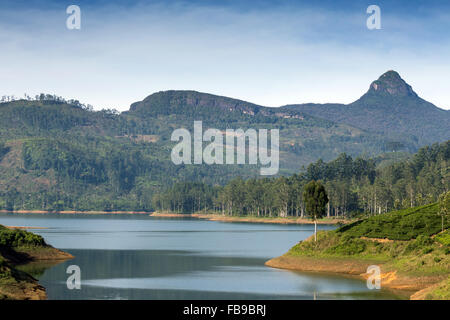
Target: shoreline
{"type": "Point", "coordinates": [410, 286]}
{"type": "Point", "coordinates": [21, 285]}
{"type": "Point", "coordinates": [72, 212]}
{"type": "Point", "coordinates": [202, 216]}
{"type": "Point", "coordinates": [24, 227]}
{"type": "Point", "coordinates": [247, 219]}
{"type": "Point", "coordinates": [18, 251]}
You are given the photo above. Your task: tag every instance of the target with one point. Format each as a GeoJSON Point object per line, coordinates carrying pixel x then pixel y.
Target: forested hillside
{"type": "Point", "coordinates": [62, 155]}
{"type": "Point", "coordinates": [354, 186]}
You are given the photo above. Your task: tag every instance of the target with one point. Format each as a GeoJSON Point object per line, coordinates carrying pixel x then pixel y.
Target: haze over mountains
{"type": "Point", "coordinates": [389, 107]}
{"type": "Point", "coordinates": [56, 153]}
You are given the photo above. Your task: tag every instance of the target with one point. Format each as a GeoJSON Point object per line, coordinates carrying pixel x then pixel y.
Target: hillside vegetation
{"type": "Point", "coordinates": [404, 224]}
{"type": "Point", "coordinates": [409, 231]}
{"type": "Point", "coordinates": [355, 187]}
{"type": "Point", "coordinates": [62, 155]}
{"type": "Point", "coordinates": [15, 238]}
{"type": "Point", "coordinates": [408, 245]}
{"type": "Point", "coordinates": [15, 284]}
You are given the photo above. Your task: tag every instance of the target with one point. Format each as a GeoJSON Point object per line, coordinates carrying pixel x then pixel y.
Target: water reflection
{"type": "Point", "coordinates": [130, 257]}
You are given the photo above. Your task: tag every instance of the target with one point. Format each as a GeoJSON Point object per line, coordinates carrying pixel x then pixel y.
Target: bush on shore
{"type": "Point", "coordinates": [19, 238]}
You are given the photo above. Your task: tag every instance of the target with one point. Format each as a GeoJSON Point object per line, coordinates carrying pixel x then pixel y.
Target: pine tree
{"type": "Point", "coordinates": [315, 199]}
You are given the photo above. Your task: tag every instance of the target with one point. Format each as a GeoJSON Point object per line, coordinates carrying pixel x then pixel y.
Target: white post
{"type": "Point", "coordinates": [315, 230]}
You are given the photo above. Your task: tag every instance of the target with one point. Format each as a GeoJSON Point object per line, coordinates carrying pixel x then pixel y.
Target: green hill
{"type": "Point", "coordinates": [408, 246]}
{"type": "Point", "coordinates": [405, 224]}
{"type": "Point", "coordinates": [57, 154]}
{"type": "Point", "coordinates": [395, 233]}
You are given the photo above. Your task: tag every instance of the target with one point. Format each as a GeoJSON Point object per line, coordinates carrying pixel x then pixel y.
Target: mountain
{"type": "Point", "coordinates": [390, 107]}
{"type": "Point", "coordinates": [174, 102]}
{"type": "Point", "coordinates": [58, 154]}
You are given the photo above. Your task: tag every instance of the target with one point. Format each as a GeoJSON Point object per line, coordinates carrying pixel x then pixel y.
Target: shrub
{"type": "Point", "coordinates": [16, 238]}
{"type": "Point", "coordinates": [348, 246]}
{"type": "Point", "coordinates": [423, 241]}
{"type": "Point", "coordinates": [444, 238]}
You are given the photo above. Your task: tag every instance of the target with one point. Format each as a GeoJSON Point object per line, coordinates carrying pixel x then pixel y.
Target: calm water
{"type": "Point", "coordinates": [141, 257]}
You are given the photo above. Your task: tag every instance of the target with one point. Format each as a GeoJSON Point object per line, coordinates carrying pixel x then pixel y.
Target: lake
{"type": "Point", "coordinates": [143, 257]}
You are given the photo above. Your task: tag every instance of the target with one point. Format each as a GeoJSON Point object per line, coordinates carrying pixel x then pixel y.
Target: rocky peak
{"type": "Point", "coordinates": [390, 83]}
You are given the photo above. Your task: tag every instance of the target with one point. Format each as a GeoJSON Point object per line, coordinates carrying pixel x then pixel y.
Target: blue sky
{"type": "Point", "coordinates": [267, 52]}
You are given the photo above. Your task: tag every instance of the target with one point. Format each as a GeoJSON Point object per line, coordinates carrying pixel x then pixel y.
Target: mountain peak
{"type": "Point", "coordinates": [390, 83]}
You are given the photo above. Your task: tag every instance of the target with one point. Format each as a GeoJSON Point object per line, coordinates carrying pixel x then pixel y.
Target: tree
{"type": "Point", "coordinates": [315, 198]}
{"type": "Point", "coordinates": [282, 196]}
{"type": "Point", "coordinates": [444, 206]}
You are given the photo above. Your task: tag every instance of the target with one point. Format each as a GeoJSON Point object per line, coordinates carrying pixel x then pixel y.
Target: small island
{"type": "Point", "coordinates": [17, 248]}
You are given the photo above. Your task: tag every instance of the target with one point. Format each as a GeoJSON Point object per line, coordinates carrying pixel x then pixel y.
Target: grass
{"type": "Point", "coordinates": [418, 257]}
{"type": "Point", "coordinates": [331, 244]}
{"type": "Point", "coordinates": [440, 292]}
{"type": "Point", "coordinates": [443, 238]}
{"type": "Point", "coordinates": [401, 239]}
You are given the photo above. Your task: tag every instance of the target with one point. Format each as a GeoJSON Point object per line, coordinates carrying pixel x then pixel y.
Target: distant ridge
{"type": "Point", "coordinates": [167, 102]}
{"type": "Point", "coordinates": [57, 154]}
{"type": "Point", "coordinates": [389, 107]}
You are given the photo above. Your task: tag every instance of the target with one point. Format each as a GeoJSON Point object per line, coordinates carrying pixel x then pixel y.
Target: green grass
{"type": "Point", "coordinates": [441, 292]}
{"type": "Point", "coordinates": [409, 246]}
{"type": "Point", "coordinates": [398, 225]}
{"type": "Point", "coordinates": [421, 256]}
{"type": "Point", "coordinates": [331, 244]}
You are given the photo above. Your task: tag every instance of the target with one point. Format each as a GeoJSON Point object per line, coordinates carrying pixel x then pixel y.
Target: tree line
{"type": "Point", "coordinates": [62, 157]}
{"type": "Point", "coordinates": [354, 186]}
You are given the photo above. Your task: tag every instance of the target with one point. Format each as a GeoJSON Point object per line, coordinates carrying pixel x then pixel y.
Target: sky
{"type": "Point", "coordinates": [270, 53]}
